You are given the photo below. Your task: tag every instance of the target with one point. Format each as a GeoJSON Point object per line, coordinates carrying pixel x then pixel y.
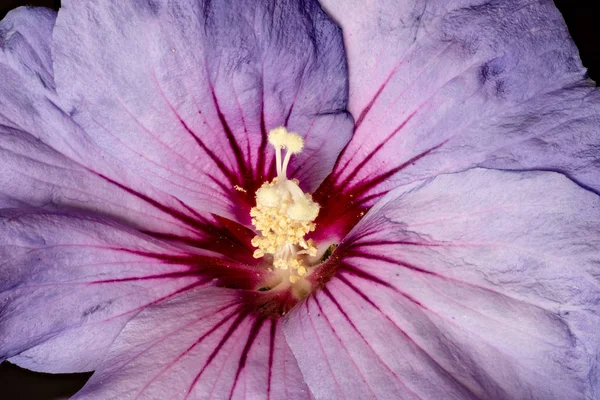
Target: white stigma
{"type": "Point", "coordinates": [284, 214]}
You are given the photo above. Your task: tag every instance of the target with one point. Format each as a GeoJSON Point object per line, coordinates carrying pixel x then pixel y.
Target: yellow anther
{"type": "Point", "coordinates": [267, 196]}
{"type": "Point", "coordinates": [284, 214]}
{"type": "Point", "coordinates": [258, 253]}
{"type": "Point", "coordinates": [303, 211]}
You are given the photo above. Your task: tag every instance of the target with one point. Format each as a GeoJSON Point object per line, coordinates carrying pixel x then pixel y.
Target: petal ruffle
{"type": "Point", "coordinates": [442, 86]}
{"type": "Point", "coordinates": [475, 285]}
{"type": "Point", "coordinates": [205, 346]}
{"type": "Point", "coordinates": [47, 160]}
{"type": "Point", "coordinates": [184, 92]}
{"type": "Point", "coordinates": [69, 284]}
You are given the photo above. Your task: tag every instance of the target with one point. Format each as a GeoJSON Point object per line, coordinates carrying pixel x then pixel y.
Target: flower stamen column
{"type": "Point", "coordinates": [284, 214]}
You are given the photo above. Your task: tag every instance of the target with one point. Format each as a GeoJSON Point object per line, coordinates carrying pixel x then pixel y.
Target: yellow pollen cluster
{"type": "Point", "coordinates": [277, 227]}
{"type": "Point", "coordinates": [284, 214]}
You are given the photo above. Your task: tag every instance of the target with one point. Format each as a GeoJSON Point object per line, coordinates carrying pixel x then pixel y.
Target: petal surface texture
{"type": "Point", "coordinates": [476, 285]}
{"type": "Point", "coordinates": [46, 159]}
{"type": "Point", "coordinates": [69, 284]}
{"type": "Point", "coordinates": [206, 347]}
{"type": "Point", "coordinates": [442, 86]}
{"type": "Point", "coordinates": [184, 93]}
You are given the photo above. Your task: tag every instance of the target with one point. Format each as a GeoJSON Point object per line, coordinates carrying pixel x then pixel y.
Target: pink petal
{"type": "Point", "coordinates": [199, 345]}
{"type": "Point", "coordinates": [69, 284]}
{"type": "Point", "coordinates": [475, 285]}
{"type": "Point", "coordinates": [184, 93]}
{"type": "Point", "coordinates": [438, 87]}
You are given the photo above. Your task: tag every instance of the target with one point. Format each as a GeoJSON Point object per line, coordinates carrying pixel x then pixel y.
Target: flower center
{"type": "Point", "coordinates": [284, 214]}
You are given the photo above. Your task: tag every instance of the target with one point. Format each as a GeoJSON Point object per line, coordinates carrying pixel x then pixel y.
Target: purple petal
{"type": "Point", "coordinates": [25, 41]}
{"type": "Point", "coordinates": [47, 160]}
{"type": "Point", "coordinates": [476, 285]}
{"type": "Point", "coordinates": [184, 93]}
{"type": "Point", "coordinates": [69, 284]}
{"type": "Point", "coordinates": [207, 346]}
{"type": "Point", "coordinates": [438, 87]}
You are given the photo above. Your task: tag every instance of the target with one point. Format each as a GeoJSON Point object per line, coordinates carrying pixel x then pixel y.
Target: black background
{"type": "Point", "coordinates": [17, 384]}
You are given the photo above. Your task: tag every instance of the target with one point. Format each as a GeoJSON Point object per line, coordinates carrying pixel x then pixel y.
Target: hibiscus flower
{"type": "Point", "coordinates": [285, 199]}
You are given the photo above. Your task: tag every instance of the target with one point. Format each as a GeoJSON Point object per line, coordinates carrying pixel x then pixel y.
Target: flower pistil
{"type": "Point", "coordinates": [284, 214]}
